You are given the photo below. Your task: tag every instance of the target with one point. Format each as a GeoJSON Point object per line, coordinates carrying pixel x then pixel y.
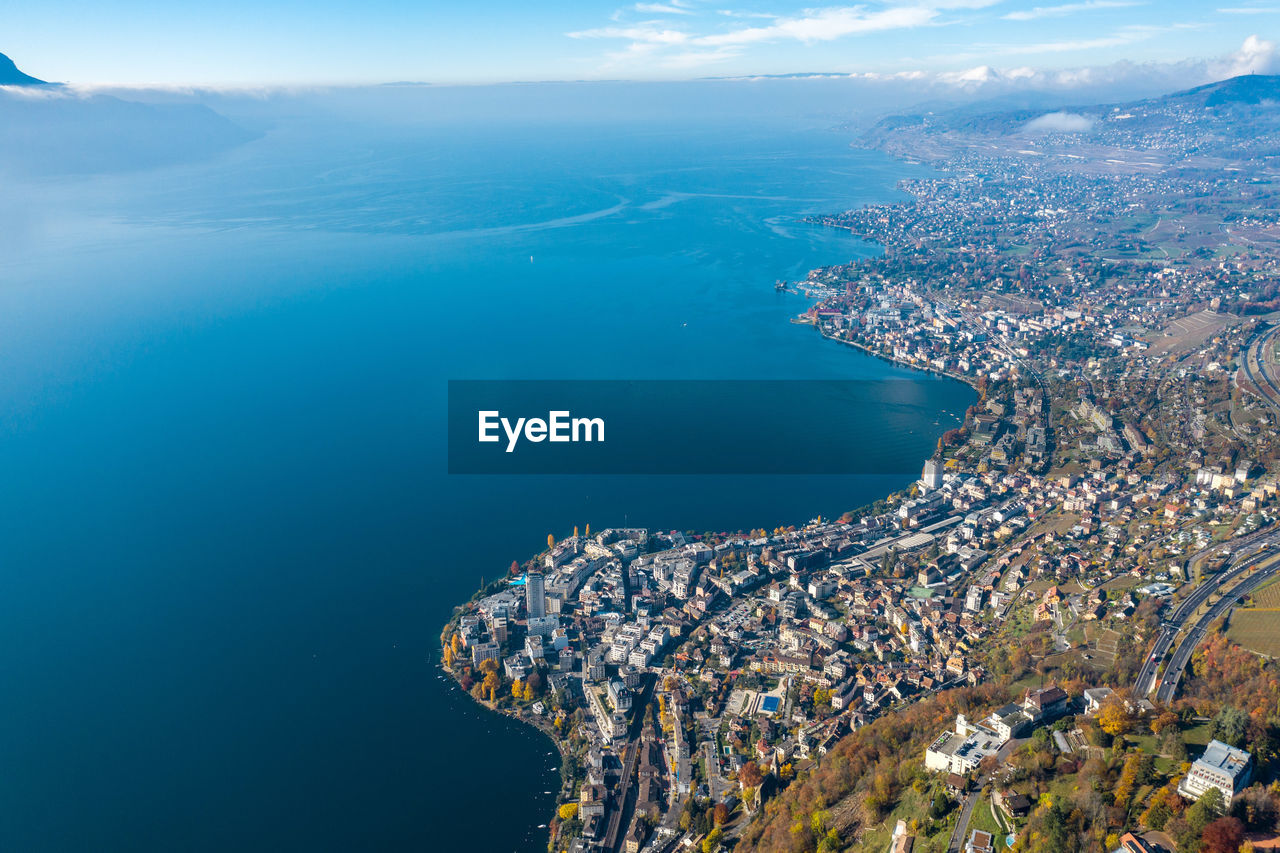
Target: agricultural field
{"type": "Point", "coordinates": [1257, 627]}
{"type": "Point", "coordinates": [1190, 333]}
{"type": "Point", "coordinates": [1267, 598]}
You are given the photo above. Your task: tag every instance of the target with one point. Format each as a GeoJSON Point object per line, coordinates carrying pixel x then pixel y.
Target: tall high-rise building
{"type": "Point", "coordinates": [932, 477]}
{"type": "Point", "coordinates": [535, 600]}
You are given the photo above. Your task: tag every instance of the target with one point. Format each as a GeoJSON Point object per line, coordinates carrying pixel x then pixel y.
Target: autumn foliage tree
{"type": "Point", "coordinates": [1137, 771]}
{"type": "Point", "coordinates": [1224, 835]}
{"type": "Point", "coordinates": [1114, 716]}
{"type": "Point", "coordinates": [492, 680]}
{"type": "Point", "coordinates": [1163, 805]}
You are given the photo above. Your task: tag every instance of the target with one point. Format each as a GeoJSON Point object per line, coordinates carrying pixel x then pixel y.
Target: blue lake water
{"type": "Point", "coordinates": [227, 538]}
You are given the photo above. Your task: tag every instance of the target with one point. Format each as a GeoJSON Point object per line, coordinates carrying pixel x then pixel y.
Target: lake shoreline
{"type": "Point", "coordinates": [538, 722]}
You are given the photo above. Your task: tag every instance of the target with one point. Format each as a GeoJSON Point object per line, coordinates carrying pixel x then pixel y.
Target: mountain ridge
{"type": "Point", "coordinates": [10, 75]}
{"type": "Point", "coordinates": [1245, 96]}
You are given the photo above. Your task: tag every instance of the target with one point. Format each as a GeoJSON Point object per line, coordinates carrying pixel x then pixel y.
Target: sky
{"type": "Point", "coordinates": [320, 42]}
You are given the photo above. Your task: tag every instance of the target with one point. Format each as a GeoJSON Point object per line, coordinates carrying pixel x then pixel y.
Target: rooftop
{"type": "Point", "coordinates": [1228, 759]}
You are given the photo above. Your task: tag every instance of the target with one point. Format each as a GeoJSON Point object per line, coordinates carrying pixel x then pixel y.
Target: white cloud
{"type": "Point", "coordinates": [1255, 56]}
{"type": "Point", "coordinates": [1066, 9]}
{"type": "Point", "coordinates": [1060, 122]}
{"type": "Point", "coordinates": [1250, 10]}
{"type": "Point", "coordinates": [43, 93]}
{"type": "Point", "coordinates": [827, 25]}
{"type": "Point", "coordinates": [690, 46]}
{"type": "Point", "coordinates": [708, 39]}
{"type": "Point", "coordinates": [636, 35]}
{"type": "Point", "coordinates": [663, 9]}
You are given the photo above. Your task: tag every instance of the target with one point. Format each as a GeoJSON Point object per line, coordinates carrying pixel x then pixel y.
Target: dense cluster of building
{"type": "Point", "coordinates": [1105, 445]}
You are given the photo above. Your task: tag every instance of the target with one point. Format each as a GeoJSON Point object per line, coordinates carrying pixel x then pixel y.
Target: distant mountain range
{"type": "Point", "coordinates": [1248, 98]}
{"type": "Point", "coordinates": [66, 131]}
{"type": "Point", "coordinates": [11, 76]}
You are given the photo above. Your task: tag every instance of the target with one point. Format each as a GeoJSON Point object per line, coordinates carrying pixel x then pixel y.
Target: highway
{"type": "Point", "coordinates": [1244, 556]}
{"type": "Point", "coordinates": [1168, 685]}
{"type": "Point", "coordinates": [1255, 368]}
{"type": "Point", "coordinates": [1242, 550]}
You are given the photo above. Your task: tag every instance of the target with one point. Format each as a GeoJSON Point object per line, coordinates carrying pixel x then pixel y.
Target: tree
{"type": "Point", "coordinates": [1167, 720]}
{"type": "Point", "coordinates": [1164, 804]}
{"type": "Point", "coordinates": [831, 843]}
{"type": "Point", "coordinates": [568, 811]}
{"type": "Point", "coordinates": [711, 843]}
{"type": "Point", "coordinates": [551, 541]}
{"type": "Point", "coordinates": [492, 681]}
{"type": "Point", "coordinates": [721, 814]}
{"type": "Point", "coordinates": [1114, 717]}
{"type": "Point", "coordinates": [1172, 745]}
{"type": "Point", "coordinates": [517, 689]}
{"type": "Point", "coordinates": [588, 531]}
{"type": "Point", "coordinates": [1055, 835]}
{"type": "Point", "coordinates": [1136, 772]}
{"type": "Point", "coordinates": [749, 775]}
{"type": "Point", "coordinates": [1203, 812]}
{"type": "Point", "coordinates": [1183, 834]}
{"type": "Point", "coordinates": [940, 806]}
{"type": "Point", "coordinates": [1230, 726]}
{"type": "Point", "coordinates": [1224, 835]}
{"type": "Point", "coordinates": [1257, 808]}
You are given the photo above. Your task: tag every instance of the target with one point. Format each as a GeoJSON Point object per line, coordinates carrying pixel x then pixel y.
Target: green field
{"type": "Point", "coordinates": [984, 818]}
{"type": "Point", "coordinates": [1197, 735]}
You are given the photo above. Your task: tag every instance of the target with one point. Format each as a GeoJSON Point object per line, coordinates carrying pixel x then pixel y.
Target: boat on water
{"type": "Point", "coordinates": [780, 284]}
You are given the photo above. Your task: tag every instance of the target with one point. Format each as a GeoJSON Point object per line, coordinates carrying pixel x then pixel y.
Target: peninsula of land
{"type": "Point", "coordinates": [999, 652]}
